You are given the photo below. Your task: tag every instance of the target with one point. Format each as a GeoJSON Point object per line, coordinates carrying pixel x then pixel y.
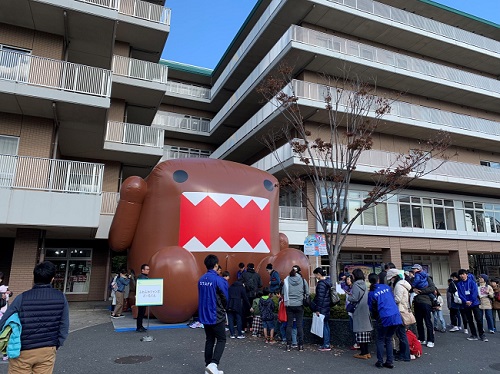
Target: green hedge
{"type": "Point", "coordinates": [336, 312]}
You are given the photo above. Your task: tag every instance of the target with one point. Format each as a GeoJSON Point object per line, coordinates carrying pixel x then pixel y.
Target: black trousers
{"type": "Point", "coordinates": [141, 312]}
{"type": "Point", "coordinates": [471, 314]}
{"type": "Point", "coordinates": [213, 333]}
{"type": "Point", "coordinates": [423, 314]}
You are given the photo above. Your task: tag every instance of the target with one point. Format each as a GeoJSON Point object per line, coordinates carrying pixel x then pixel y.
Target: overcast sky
{"type": "Point", "coordinates": [201, 31]}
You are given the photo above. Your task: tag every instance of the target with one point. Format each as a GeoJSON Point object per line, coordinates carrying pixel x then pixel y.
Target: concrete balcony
{"type": "Point", "coordinates": [181, 124]}
{"type": "Point", "coordinates": [31, 84]}
{"type": "Point", "coordinates": [188, 95]}
{"type": "Point", "coordinates": [174, 152]}
{"type": "Point", "coordinates": [134, 144]}
{"type": "Point", "coordinates": [458, 177]}
{"type": "Point", "coordinates": [108, 209]}
{"type": "Point", "coordinates": [56, 195]}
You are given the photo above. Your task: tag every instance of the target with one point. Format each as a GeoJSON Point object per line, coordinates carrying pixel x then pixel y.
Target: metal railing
{"type": "Point", "coordinates": [139, 69]}
{"type": "Point", "coordinates": [136, 8]}
{"type": "Point", "coordinates": [145, 10]}
{"type": "Point", "coordinates": [130, 133]}
{"type": "Point", "coordinates": [295, 213]}
{"type": "Point", "coordinates": [181, 121]}
{"type": "Point", "coordinates": [422, 23]}
{"type": "Point", "coordinates": [397, 60]}
{"type": "Point", "coordinates": [188, 89]}
{"type": "Point", "coordinates": [401, 109]}
{"type": "Point", "coordinates": [377, 159]}
{"type": "Point", "coordinates": [47, 174]}
{"type": "Point", "coordinates": [62, 75]}
{"type": "Point", "coordinates": [109, 202]}
{"type": "Point", "coordinates": [173, 152]}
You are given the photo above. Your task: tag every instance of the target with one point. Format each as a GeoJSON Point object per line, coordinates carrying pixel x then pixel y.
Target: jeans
{"type": "Point", "coordinates": [455, 318]}
{"type": "Point", "coordinates": [283, 332]}
{"type": "Point", "coordinates": [326, 332]}
{"type": "Point", "coordinates": [384, 340]}
{"type": "Point", "coordinates": [213, 332]}
{"type": "Point", "coordinates": [438, 317]}
{"type": "Point", "coordinates": [423, 314]}
{"type": "Point", "coordinates": [476, 312]}
{"type": "Point", "coordinates": [404, 346]}
{"type": "Point", "coordinates": [296, 312]}
{"type": "Point", "coordinates": [231, 316]}
{"type": "Point", "coordinates": [489, 318]}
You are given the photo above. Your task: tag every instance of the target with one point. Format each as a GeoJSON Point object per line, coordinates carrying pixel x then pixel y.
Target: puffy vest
{"type": "Point", "coordinates": [41, 315]}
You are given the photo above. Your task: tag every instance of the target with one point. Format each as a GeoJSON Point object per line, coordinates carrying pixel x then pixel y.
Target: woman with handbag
{"type": "Point", "coordinates": [402, 298]}
{"type": "Point", "coordinates": [361, 324]}
{"type": "Point", "coordinates": [295, 291]}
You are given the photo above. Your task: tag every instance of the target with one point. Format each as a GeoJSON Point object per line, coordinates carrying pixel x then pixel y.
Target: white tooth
{"type": "Point", "coordinates": [261, 202]}
{"type": "Point", "coordinates": [220, 198]}
{"type": "Point", "coordinates": [194, 197]}
{"type": "Point", "coordinates": [242, 200]}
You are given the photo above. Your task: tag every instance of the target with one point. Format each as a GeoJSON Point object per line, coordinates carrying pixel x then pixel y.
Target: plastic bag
{"type": "Point", "coordinates": [317, 325]}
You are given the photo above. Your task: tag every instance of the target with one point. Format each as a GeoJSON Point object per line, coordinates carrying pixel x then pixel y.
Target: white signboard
{"type": "Point", "coordinates": [149, 292]}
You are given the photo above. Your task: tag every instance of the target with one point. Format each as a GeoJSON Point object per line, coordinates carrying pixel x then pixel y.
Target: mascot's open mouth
{"type": "Point", "coordinates": [218, 222]}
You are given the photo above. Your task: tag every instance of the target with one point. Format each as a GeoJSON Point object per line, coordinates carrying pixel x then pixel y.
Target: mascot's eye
{"type": "Point", "coordinates": [268, 185]}
{"type": "Point", "coordinates": [180, 176]}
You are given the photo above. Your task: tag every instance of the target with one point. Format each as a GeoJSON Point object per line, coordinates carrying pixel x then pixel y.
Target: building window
{"type": "Point", "coordinates": [8, 159]}
{"type": "Point", "coordinates": [491, 164]}
{"type": "Point", "coordinates": [427, 213]}
{"type": "Point", "coordinates": [14, 63]}
{"type": "Point", "coordinates": [73, 266]}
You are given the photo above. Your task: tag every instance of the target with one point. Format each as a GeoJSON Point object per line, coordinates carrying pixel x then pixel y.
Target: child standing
{"type": "Point", "coordinates": [256, 321]}
{"type": "Point", "coordinates": [266, 306]}
{"type": "Point", "coordinates": [438, 313]}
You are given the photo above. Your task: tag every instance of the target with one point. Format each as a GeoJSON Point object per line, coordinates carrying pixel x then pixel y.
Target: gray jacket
{"type": "Point", "coordinates": [293, 290]}
{"type": "Point", "coordinates": [361, 316]}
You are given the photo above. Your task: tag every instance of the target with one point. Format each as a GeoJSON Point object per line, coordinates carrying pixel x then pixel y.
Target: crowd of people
{"type": "Point", "coordinates": [392, 303]}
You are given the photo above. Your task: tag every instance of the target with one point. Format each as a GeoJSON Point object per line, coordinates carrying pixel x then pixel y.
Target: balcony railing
{"type": "Point", "coordinates": [397, 60]}
{"type": "Point", "coordinates": [423, 114]}
{"type": "Point", "coordinates": [422, 23]}
{"type": "Point", "coordinates": [129, 133]}
{"type": "Point", "coordinates": [109, 202]}
{"type": "Point", "coordinates": [136, 8]}
{"type": "Point", "coordinates": [188, 89]}
{"type": "Point", "coordinates": [294, 213]}
{"type": "Point", "coordinates": [181, 121]}
{"type": "Point", "coordinates": [173, 152]}
{"type": "Point", "coordinates": [381, 159]}
{"type": "Point", "coordinates": [61, 75]}
{"type": "Point", "coordinates": [46, 174]}
{"type": "Point", "coordinates": [145, 70]}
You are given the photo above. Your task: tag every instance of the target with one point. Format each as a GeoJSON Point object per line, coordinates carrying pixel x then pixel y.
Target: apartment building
{"type": "Point", "coordinates": [85, 102]}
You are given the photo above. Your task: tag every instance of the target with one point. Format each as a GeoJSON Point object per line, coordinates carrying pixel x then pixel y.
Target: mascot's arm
{"type": "Point", "coordinates": [132, 194]}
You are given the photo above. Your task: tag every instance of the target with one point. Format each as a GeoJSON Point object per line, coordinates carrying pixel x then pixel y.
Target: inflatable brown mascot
{"type": "Point", "coordinates": [188, 208]}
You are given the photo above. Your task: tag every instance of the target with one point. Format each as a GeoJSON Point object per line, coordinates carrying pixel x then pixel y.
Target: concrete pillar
{"type": "Point", "coordinates": [393, 255]}
{"type": "Point", "coordinates": [24, 260]}
{"type": "Point", "coordinates": [458, 260]}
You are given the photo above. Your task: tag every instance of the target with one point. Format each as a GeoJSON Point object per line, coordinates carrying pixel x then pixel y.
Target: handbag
{"type": "Point", "coordinates": [456, 298]}
{"type": "Point", "coordinates": [282, 312]}
{"type": "Point", "coordinates": [351, 307]}
{"type": "Point", "coordinates": [408, 317]}
{"type": "Point", "coordinates": [307, 298]}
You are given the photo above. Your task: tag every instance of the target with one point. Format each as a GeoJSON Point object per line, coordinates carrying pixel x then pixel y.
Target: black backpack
{"type": "Point", "coordinates": [266, 308]}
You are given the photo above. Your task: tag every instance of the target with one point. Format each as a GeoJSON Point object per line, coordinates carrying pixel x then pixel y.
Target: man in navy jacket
{"type": "Point", "coordinates": [44, 316]}
{"type": "Point", "coordinates": [212, 301]}
{"type": "Point", "coordinates": [467, 290]}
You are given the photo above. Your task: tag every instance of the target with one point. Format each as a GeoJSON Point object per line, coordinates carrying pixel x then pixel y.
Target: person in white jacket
{"type": "Point", "coordinates": [401, 290]}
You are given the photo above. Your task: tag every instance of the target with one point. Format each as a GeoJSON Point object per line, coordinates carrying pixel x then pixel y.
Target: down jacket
{"type": "Point", "coordinates": [402, 295]}
{"type": "Point", "coordinates": [321, 302]}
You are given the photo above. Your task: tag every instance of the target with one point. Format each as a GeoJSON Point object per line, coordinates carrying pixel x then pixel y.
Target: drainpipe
{"type": "Point", "coordinates": [55, 144]}
{"type": "Point", "coordinates": [66, 40]}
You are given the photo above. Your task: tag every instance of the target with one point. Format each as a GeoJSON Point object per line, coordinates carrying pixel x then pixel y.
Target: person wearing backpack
{"type": "Point", "coordinates": [321, 305]}
{"type": "Point", "coordinates": [274, 280]}
{"type": "Point", "coordinates": [266, 307]}
{"type": "Point", "coordinates": [253, 283]}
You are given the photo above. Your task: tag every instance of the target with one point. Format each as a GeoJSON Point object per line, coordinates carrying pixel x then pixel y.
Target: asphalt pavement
{"type": "Point", "coordinates": [94, 346]}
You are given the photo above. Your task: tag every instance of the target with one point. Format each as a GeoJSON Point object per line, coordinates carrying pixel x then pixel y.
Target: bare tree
{"type": "Point", "coordinates": [330, 158]}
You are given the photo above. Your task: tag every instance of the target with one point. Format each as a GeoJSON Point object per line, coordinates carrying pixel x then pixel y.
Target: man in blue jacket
{"type": "Point", "coordinates": [467, 290]}
{"type": "Point", "coordinates": [44, 315]}
{"type": "Point", "coordinates": [212, 301]}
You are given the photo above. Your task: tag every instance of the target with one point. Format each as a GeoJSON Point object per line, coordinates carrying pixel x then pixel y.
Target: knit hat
{"type": "Point", "coordinates": [391, 273]}
{"type": "Point", "coordinates": [269, 267]}
{"type": "Point", "coordinates": [417, 267]}
{"type": "Point", "coordinates": [484, 276]}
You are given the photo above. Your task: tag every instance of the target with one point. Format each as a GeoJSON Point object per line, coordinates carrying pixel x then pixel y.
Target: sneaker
{"type": "Point", "coordinates": [288, 347]}
{"type": "Point", "coordinates": [5, 358]}
{"type": "Point", "coordinates": [194, 325]}
{"type": "Point", "coordinates": [492, 331]}
{"type": "Point", "coordinates": [241, 336]}
{"type": "Point", "coordinates": [472, 338]}
{"type": "Point", "coordinates": [483, 338]}
{"type": "Point", "coordinates": [355, 347]}
{"type": "Point", "coordinates": [272, 341]}
{"type": "Point", "coordinates": [233, 336]}
{"type": "Point", "coordinates": [455, 328]}
{"type": "Point", "coordinates": [423, 342]}
{"type": "Point", "coordinates": [294, 345]}
{"type": "Point", "coordinates": [267, 341]}
{"type": "Point", "coordinates": [120, 316]}
{"type": "Point", "coordinates": [388, 365]}
{"type": "Point", "coordinates": [211, 369]}
{"type": "Point", "coordinates": [379, 364]}
{"type": "Point", "coordinates": [301, 348]}
{"type": "Point", "coordinates": [466, 331]}
{"type": "Point", "coordinates": [430, 344]}
{"type": "Point", "coordinates": [325, 349]}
